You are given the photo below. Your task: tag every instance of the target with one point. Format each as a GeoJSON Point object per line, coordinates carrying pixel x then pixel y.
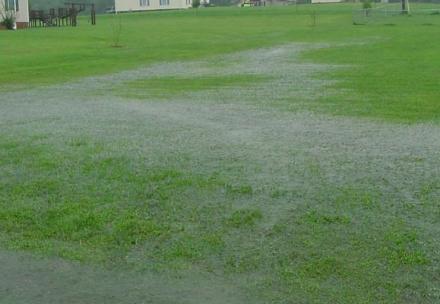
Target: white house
{"type": "Point", "coordinates": [326, 1]}
{"type": "Point", "coordinates": [20, 8]}
{"type": "Point", "coordinates": [146, 5]}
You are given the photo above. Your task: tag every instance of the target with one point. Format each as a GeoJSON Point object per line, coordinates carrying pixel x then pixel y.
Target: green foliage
{"type": "Point", "coordinates": [195, 3]}
{"type": "Point", "coordinates": [7, 20]}
{"type": "Point", "coordinates": [367, 4]}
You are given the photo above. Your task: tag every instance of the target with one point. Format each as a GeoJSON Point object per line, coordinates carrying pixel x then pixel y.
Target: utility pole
{"type": "Point", "coordinates": [15, 13]}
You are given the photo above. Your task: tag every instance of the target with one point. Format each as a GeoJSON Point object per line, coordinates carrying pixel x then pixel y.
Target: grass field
{"type": "Point", "coordinates": [222, 155]}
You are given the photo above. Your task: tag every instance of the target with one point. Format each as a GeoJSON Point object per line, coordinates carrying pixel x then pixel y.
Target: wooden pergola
{"type": "Point", "coordinates": [62, 16]}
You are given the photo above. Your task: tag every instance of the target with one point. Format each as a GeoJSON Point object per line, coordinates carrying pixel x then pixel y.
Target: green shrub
{"type": "Point", "coordinates": [8, 21]}
{"type": "Point", "coordinates": [195, 3]}
{"type": "Point", "coordinates": [366, 4]}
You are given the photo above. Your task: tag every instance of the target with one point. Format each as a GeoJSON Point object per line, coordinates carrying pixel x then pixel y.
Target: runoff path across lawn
{"type": "Point", "coordinates": [246, 194]}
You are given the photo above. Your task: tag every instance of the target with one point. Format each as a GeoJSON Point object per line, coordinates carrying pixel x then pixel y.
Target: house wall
{"type": "Point", "coordinates": [22, 15]}
{"type": "Point", "coordinates": [135, 5]}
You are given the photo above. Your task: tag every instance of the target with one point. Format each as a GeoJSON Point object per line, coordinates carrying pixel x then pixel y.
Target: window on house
{"type": "Point", "coordinates": [164, 2]}
{"type": "Point", "coordinates": [11, 5]}
{"type": "Point", "coordinates": [144, 2]}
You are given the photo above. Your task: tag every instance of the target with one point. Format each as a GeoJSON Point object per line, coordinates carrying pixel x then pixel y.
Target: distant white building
{"type": "Point", "coordinates": [147, 5]}
{"type": "Point", "coordinates": [326, 1]}
{"type": "Point", "coordinates": [20, 8]}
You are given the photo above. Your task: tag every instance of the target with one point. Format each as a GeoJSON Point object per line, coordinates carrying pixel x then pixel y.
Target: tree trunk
{"type": "Point", "coordinates": [404, 9]}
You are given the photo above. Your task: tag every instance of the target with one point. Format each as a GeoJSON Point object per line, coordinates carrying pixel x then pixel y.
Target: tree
{"type": "Point", "coordinates": [405, 6]}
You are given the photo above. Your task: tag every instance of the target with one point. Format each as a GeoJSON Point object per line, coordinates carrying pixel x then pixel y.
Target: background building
{"type": "Point", "coordinates": [145, 5]}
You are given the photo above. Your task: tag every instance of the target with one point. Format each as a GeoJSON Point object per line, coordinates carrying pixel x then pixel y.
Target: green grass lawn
{"type": "Point", "coordinates": [393, 61]}
{"type": "Point", "coordinates": [295, 158]}
{"type": "Point", "coordinates": [166, 87]}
